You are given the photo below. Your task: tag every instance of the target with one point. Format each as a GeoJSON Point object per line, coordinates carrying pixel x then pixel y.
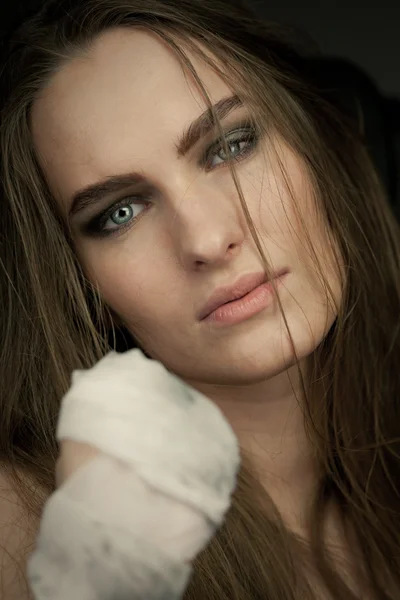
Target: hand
{"type": "Point", "coordinates": [147, 455]}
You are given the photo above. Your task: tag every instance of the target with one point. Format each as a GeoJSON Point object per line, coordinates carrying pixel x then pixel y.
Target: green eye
{"type": "Point", "coordinates": [240, 144]}
{"type": "Point", "coordinates": [118, 216]}
{"type": "Point", "coordinates": [120, 213]}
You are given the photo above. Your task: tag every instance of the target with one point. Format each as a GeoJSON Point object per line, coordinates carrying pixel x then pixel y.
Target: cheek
{"type": "Point", "coordinates": [125, 283]}
{"type": "Point", "coordinates": [271, 203]}
{"type": "Point", "coordinates": [298, 238]}
{"type": "Point", "coordinates": [136, 293]}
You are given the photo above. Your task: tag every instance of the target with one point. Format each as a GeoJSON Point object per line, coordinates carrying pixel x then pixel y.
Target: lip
{"type": "Point", "coordinates": [240, 288]}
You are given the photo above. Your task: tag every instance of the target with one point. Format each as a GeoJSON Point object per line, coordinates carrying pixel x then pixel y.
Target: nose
{"type": "Point", "coordinates": [208, 228]}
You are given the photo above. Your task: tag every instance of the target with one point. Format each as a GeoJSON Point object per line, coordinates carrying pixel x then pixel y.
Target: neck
{"type": "Point", "coordinates": [268, 421]}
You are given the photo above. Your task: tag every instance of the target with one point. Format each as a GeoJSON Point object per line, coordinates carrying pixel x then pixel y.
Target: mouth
{"type": "Point", "coordinates": [242, 287]}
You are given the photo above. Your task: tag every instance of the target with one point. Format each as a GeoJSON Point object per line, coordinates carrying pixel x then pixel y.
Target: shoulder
{"type": "Point", "coordinates": [18, 533]}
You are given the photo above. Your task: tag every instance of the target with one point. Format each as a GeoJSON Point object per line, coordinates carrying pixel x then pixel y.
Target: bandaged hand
{"type": "Point", "coordinates": [146, 472]}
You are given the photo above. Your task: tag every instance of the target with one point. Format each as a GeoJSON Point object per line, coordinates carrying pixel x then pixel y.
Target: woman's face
{"type": "Point", "coordinates": [176, 230]}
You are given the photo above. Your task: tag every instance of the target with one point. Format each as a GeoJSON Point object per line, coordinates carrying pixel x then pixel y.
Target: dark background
{"type": "Point", "coordinates": [364, 31]}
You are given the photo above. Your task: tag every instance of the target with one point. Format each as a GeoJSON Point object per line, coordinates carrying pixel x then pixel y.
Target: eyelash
{"type": "Point", "coordinates": [245, 133]}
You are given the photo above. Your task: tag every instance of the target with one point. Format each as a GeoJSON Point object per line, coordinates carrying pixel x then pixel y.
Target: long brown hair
{"type": "Point", "coordinates": [54, 321]}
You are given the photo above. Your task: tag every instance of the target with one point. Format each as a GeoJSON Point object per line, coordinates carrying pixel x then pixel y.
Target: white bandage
{"type": "Point", "coordinates": [154, 496]}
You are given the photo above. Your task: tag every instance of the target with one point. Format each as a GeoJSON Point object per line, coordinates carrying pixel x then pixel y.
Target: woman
{"type": "Point", "coordinates": [215, 127]}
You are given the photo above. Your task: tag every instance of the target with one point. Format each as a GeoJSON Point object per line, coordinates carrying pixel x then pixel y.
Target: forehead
{"type": "Point", "coordinates": [123, 102]}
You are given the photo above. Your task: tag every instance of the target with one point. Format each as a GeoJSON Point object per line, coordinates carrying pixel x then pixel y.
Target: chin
{"type": "Point", "coordinates": [259, 356]}
{"type": "Point", "coordinates": [243, 368]}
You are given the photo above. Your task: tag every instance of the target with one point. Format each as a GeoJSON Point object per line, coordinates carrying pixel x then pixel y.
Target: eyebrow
{"type": "Point", "coordinates": [200, 127]}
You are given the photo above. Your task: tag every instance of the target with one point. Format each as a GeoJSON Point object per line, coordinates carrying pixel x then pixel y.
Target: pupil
{"type": "Point", "coordinates": [231, 148]}
{"type": "Point", "coordinates": [122, 213]}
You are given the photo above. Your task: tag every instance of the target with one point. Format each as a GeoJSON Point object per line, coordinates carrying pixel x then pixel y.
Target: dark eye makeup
{"type": "Point", "coordinates": [241, 142]}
